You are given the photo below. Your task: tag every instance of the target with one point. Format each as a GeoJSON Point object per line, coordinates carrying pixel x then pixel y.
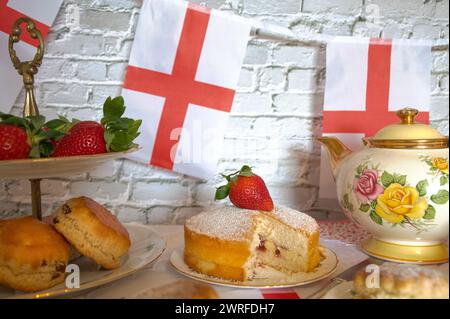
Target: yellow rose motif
{"type": "Point", "coordinates": [440, 163]}
{"type": "Point", "coordinates": [398, 202]}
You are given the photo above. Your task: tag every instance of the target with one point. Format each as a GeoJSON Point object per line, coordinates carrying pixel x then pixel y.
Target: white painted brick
{"type": "Point", "coordinates": [426, 31]}
{"type": "Point", "coordinates": [442, 10]}
{"type": "Point", "coordinates": [127, 214]}
{"type": "Point", "coordinates": [439, 108]}
{"type": "Point", "coordinates": [99, 189]}
{"type": "Point", "coordinates": [204, 193]}
{"type": "Point", "coordinates": [440, 62]}
{"type": "Point", "coordinates": [256, 54]}
{"type": "Point", "coordinates": [246, 79]}
{"type": "Point", "coordinates": [441, 126]}
{"type": "Point", "coordinates": [252, 103]}
{"type": "Point", "coordinates": [109, 170]}
{"type": "Point", "coordinates": [85, 113]}
{"type": "Point", "coordinates": [132, 170]}
{"type": "Point", "coordinates": [272, 7]}
{"type": "Point", "coordinates": [64, 93]}
{"type": "Point", "coordinates": [393, 31]}
{"type": "Point", "coordinates": [272, 79]}
{"type": "Point", "coordinates": [116, 71]}
{"type": "Point", "coordinates": [297, 103]}
{"type": "Point", "coordinates": [161, 191]}
{"type": "Point", "coordinates": [364, 29]}
{"type": "Point", "coordinates": [83, 44]}
{"type": "Point", "coordinates": [105, 20]}
{"type": "Point", "coordinates": [443, 83]}
{"type": "Point", "coordinates": [49, 188]}
{"type": "Point", "coordinates": [99, 93]}
{"type": "Point", "coordinates": [297, 197]}
{"type": "Point", "coordinates": [302, 80]}
{"type": "Point", "coordinates": [404, 8]}
{"type": "Point", "coordinates": [326, 6]}
{"type": "Point", "coordinates": [305, 57]}
{"type": "Point", "coordinates": [184, 213]}
{"type": "Point", "coordinates": [113, 4]}
{"type": "Point", "coordinates": [160, 215]}
{"type": "Point", "coordinates": [91, 70]}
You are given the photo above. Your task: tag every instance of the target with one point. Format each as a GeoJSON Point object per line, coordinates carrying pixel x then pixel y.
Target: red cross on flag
{"type": "Point", "coordinates": [43, 12]}
{"type": "Point", "coordinates": [181, 80]}
{"type": "Point", "coordinates": [367, 81]}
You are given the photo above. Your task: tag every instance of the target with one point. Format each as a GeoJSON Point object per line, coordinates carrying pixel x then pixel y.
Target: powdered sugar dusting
{"type": "Point", "coordinates": [295, 219]}
{"type": "Point", "coordinates": [229, 223]}
{"type": "Point", "coordinates": [232, 223]}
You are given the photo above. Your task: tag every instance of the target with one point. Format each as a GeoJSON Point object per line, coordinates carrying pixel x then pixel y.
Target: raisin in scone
{"type": "Point", "coordinates": [240, 244]}
{"type": "Point", "coordinates": [33, 256]}
{"type": "Point", "coordinates": [93, 230]}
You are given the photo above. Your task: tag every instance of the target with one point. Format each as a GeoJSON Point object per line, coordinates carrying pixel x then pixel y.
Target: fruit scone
{"type": "Point", "coordinates": [240, 244]}
{"type": "Point", "coordinates": [33, 256]}
{"type": "Point", "coordinates": [93, 230]}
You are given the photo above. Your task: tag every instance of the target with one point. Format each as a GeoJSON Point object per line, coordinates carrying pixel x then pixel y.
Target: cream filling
{"type": "Point", "coordinates": [277, 250]}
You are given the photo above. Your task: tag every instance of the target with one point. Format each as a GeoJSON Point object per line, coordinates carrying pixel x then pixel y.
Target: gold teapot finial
{"type": "Point", "coordinates": [27, 68]}
{"type": "Point", "coordinates": [407, 115]}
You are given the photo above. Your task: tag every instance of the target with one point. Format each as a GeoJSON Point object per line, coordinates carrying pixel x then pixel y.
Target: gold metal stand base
{"type": "Point", "coordinates": [434, 254]}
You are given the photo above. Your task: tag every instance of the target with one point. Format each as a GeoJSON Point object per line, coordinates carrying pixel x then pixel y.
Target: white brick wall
{"type": "Point", "coordinates": [277, 110]}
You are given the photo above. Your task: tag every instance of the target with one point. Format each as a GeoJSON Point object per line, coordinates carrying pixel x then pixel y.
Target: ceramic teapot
{"type": "Point", "coordinates": [396, 188]}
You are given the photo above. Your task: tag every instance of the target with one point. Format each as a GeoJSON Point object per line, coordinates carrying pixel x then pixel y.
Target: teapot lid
{"type": "Point", "coordinates": [408, 134]}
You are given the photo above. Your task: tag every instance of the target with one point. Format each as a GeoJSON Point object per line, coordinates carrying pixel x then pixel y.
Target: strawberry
{"type": "Point", "coordinates": [13, 142]}
{"type": "Point", "coordinates": [84, 138]}
{"type": "Point", "coordinates": [114, 133]}
{"type": "Point", "coordinates": [246, 190]}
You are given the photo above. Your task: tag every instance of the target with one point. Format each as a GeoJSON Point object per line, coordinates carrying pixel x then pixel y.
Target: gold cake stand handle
{"type": "Point", "coordinates": [28, 69]}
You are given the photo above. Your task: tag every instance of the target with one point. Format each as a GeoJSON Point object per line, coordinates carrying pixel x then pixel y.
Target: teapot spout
{"type": "Point", "coordinates": [337, 151]}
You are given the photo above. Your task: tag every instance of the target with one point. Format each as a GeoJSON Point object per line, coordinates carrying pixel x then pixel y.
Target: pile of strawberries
{"type": "Point", "coordinates": [33, 137]}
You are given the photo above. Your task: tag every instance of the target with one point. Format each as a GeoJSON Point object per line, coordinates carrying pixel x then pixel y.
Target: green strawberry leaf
{"type": "Point", "coordinates": [376, 218]}
{"type": "Point", "coordinates": [364, 208]}
{"type": "Point", "coordinates": [37, 122]}
{"type": "Point", "coordinates": [35, 152]}
{"type": "Point", "coordinates": [45, 148]}
{"type": "Point", "coordinates": [422, 187]}
{"type": "Point", "coordinates": [386, 179]}
{"type": "Point", "coordinates": [430, 213]}
{"type": "Point", "coordinates": [113, 108]}
{"type": "Point", "coordinates": [246, 171]}
{"type": "Point", "coordinates": [222, 192]}
{"type": "Point", "coordinates": [440, 198]}
{"type": "Point", "coordinates": [120, 132]}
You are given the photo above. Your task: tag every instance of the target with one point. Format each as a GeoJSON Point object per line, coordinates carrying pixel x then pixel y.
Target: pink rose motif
{"type": "Point", "coordinates": [366, 187]}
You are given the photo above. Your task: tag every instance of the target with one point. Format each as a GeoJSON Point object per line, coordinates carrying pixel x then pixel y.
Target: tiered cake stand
{"type": "Point", "coordinates": [36, 169]}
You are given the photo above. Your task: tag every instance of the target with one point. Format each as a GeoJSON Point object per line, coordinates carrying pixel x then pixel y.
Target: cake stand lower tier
{"type": "Point", "coordinates": [37, 169]}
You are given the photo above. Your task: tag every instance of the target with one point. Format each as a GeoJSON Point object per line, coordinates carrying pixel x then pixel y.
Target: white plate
{"type": "Point", "coordinates": [340, 291]}
{"type": "Point", "coordinates": [55, 166]}
{"type": "Point", "coordinates": [146, 247]}
{"type": "Point", "coordinates": [326, 268]}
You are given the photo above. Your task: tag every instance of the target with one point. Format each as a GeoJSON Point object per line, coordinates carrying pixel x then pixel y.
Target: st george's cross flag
{"type": "Point", "coordinates": [43, 13]}
{"type": "Point", "coordinates": [181, 80]}
{"type": "Point", "coordinates": [367, 80]}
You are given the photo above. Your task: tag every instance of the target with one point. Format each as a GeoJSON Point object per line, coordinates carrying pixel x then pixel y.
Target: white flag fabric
{"type": "Point", "coordinates": [368, 80]}
{"type": "Point", "coordinates": [181, 79]}
{"type": "Point", "coordinates": [43, 13]}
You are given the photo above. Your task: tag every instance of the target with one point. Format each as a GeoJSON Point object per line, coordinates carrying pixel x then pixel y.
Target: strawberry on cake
{"type": "Point", "coordinates": [246, 243]}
